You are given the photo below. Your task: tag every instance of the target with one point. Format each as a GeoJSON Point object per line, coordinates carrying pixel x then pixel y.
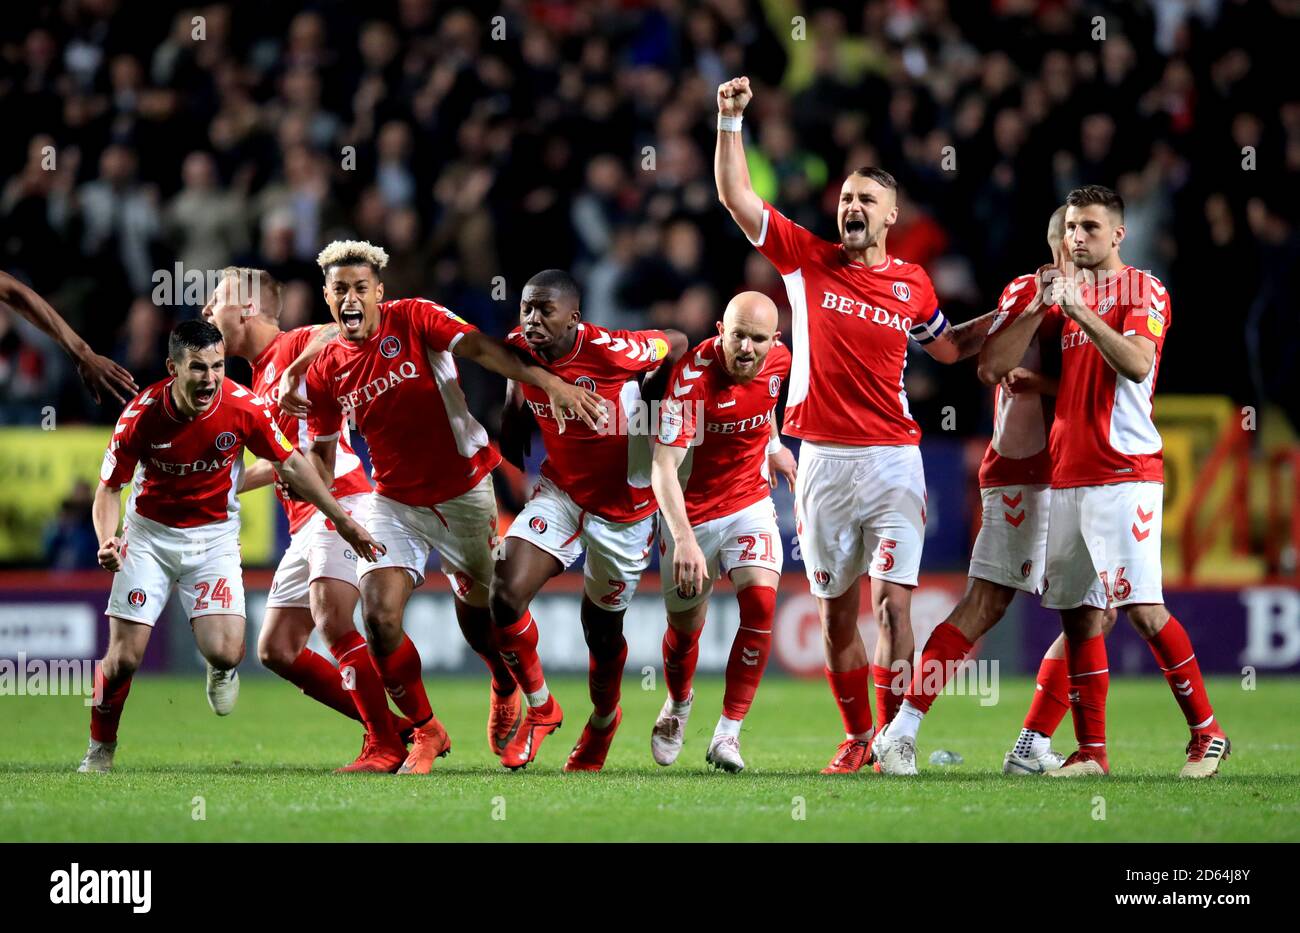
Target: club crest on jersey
{"type": "Point", "coordinates": [1106, 304]}
{"type": "Point", "coordinates": [226, 440]}
{"type": "Point", "coordinates": [136, 597]}
{"type": "Point", "coordinates": [390, 346]}
{"type": "Point", "coordinates": [901, 291]}
{"type": "Point", "coordinates": [538, 524]}
{"type": "Point", "coordinates": [774, 386]}
{"type": "Point", "coordinates": [821, 577]}
{"type": "Point", "coordinates": [269, 376]}
{"type": "Point", "coordinates": [1026, 568]}
{"type": "Point", "coordinates": [585, 382]}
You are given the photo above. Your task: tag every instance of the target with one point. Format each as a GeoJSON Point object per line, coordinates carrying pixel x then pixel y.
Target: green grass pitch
{"type": "Point", "coordinates": [264, 773]}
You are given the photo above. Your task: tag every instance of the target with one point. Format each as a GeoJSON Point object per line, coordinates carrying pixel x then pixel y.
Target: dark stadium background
{"type": "Point", "coordinates": [485, 149]}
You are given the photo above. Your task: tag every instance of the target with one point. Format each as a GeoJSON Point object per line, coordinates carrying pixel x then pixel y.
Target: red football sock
{"type": "Point", "coordinates": [400, 672]}
{"type": "Point", "coordinates": [320, 680]}
{"type": "Point", "coordinates": [1174, 654]}
{"type": "Point", "coordinates": [1089, 681]}
{"type": "Point", "coordinates": [105, 715]}
{"type": "Point", "coordinates": [1051, 697]}
{"type": "Point", "coordinates": [605, 680]}
{"type": "Point", "coordinates": [518, 644]}
{"type": "Point", "coordinates": [887, 700]}
{"type": "Point", "coordinates": [852, 691]}
{"type": "Point", "coordinates": [681, 654]}
{"type": "Point", "coordinates": [367, 692]}
{"type": "Point", "coordinates": [749, 649]}
{"type": "Point", "coordinates": [945, 649]}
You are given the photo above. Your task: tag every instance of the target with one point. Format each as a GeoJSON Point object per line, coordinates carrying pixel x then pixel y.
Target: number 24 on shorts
{"type": "Point", "coordinates": [220, 594]}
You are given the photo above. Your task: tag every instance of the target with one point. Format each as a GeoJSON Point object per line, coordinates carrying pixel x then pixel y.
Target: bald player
{"type": "Point", "coordinates": [717, 457]}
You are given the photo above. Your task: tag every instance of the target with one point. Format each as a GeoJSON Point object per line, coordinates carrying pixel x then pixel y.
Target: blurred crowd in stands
{"type": "Point", "coordinates": [482, 142]}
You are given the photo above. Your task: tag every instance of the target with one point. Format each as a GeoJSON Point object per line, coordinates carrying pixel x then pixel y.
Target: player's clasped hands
{"type": "Point", "coordinates": [110, 554]}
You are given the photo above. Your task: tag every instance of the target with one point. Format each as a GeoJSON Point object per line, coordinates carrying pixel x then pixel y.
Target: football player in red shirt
{"type": "Point", "coordinates": [1103, 543]}
{"type": "Point", "coordinates": [594, 495]}
{"type": "Point", "coordinates": [720, 430]}
{"type": "Point", "coordinates": [392, 368]}
{"type": "Point", "coordinates": [180, 443]}
{"type": "Point", "coordinates": [860, 499]}
{"type": "Point", "coordinates": [1010, 550]}
{"type": "Point", "coordinates": [315, 585]}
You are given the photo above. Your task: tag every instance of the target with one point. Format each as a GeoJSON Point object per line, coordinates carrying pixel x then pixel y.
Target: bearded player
{"type": "Point", "coordinates": [392, 370]}
{"type": "Point", "coordinates": [594, 496]}
{"type": "Point", "coordinates": [181, 443]}
{"type": "Point", "coordinates": [721, 432]}
{"type": "Point", "coordinates": [1010, 549]}
{"type": "Point", "coordinates": [1103, 542]}
{"type": "Point", "coordinates": [315, 585]}
{"type": "Point", "coordinates": [860, 497]}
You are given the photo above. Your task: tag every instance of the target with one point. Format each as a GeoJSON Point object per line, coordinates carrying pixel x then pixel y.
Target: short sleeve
{"type": "Point", "coordinates": [263, 436]}
{"type": "Point", "coordinates": [324, 414]}
{"type": "Point", "coordinates": [1015, 298]}
{"type": "Point", "coordinates": [636, 351]}
{"type": "Point", "coordinates": [783, 242]}
{"type": "Point", "coordinates": [439, 327]}
{"type": "Point", "coordinates": [677, 414]}
{"type": "Point", "coordinates": [929, 323]}
{"type": "Point", "coordinates": [123, 452]}
{"type": "Point", "coordinates": [1149, 313]}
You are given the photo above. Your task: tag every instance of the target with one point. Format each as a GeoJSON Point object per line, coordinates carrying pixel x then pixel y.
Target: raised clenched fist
{"type": "Point", "coordinates": [733, 96]}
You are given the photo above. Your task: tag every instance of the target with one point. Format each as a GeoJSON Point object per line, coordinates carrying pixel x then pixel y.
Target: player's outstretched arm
{"type": "Point", "coordinates": [105, 513]}
{"type": "Point", "coordinates": [1005, 348]}
{"type": "Point", "coordinates": [961, 341]}
{"type": "Point", "coordinates": [689, 565]}
{"type": "Point", "coordinates": [501, 358]}
{"type": "Point", "coordinates": [101, 375]}
{"type": "Point", "coordinates": [303, 478]}
{"type": "Point", "coordinates": [730, 170]}
{"type": "Point", "coordinates": [260, 473]}
{"type": "Point", "coordinates": [291, 402]}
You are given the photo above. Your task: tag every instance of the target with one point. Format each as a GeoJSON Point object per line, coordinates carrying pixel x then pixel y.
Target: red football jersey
{"type": "Point", "coordinates": [606, 472]}
{"type": "Point", "coordinates": [402, 387]}
{"type": "Point", "coordinates": [727, 465]}
{"type": "Point", "coordinates": [349, 474]}
{"type": "Point", "coordinates": [1103, 432]}
{"type": "Point", "coordinates": [851, 326]}
{"type": "Point", "coordinates": [1018, 454]}
{"type": "Point", "coordinates": [189, 469]}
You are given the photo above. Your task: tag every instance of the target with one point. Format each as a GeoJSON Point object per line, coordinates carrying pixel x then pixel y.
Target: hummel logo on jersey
{"type": "Point", "coordinates": [161, 446]}
{"type": "Point", "coordinates": [343, 375]}
{"type": "Point", "coordinates": [640, 505]}
{"type": "Point", "coordinates": [726, 404]}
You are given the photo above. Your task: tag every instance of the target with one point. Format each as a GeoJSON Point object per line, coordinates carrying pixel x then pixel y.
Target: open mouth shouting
{"type": "Point", "coordinates": [203, 396]}
{"type": "Point", "coordinates": [854, 225]}
{"type": "Point", "coordinates": [351, 318]}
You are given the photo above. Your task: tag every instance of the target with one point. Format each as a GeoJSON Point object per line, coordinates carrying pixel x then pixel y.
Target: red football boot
{"type": "Point", "coordinates": [593, 745]}
{"type": "Point", "coordinates": [852, 756]}
{"type": "Point", "coordinates": [539, 722]}
{"type": "Point", "coordinates": [379, 755]}
{"type": "Point", "coordinates": [505, 716]}
{"type": "Point", "coordinates": [430, 743]}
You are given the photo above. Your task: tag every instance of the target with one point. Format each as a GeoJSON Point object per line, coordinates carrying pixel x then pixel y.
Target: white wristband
{"type": "Point", "coordinates": [774, 446]}
{"type": "Point", "coordinates": [729, 124]}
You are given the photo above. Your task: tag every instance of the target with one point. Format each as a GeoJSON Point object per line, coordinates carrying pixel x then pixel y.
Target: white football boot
{"type": "Point", "coordinates": [99, 758]}
{"type": "Point", "coordinates": [724, 754]}
{"type": "Point", "coordinates": [223, 690]}
{"type": "Point", "coordinates": [670, 731]}
{"type": "Point", "coordinates": [895, 755]}
{"type": "Point", "coordinates": [1032, 763]}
